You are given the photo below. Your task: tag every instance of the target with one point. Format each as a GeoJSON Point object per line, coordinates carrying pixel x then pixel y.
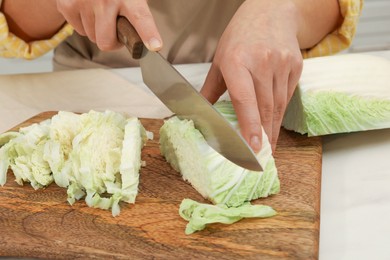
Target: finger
{"type": "Point", "coordinates": [280, 90]}
{"type": "Point", "coordinates": [139, 15]}
{"type": "Point", "coordinates": [214, 85]}
{"type": "Point", "coordinates": [263, 81]}
{"type": "Point", "coordinates": [292, 83]}
{"type": "Point", "coordinates": [88, 21]}
{"type": "Point", "coordinates": [295, 74]}
{"type": "Point", "coordinates": [77, 25]}
{"type": "Point", "coordinates": [241, 89]}
{"type": "Point", "coordinates": [73, 17]}
{"type": "Point", "coordinates": [105, 27]}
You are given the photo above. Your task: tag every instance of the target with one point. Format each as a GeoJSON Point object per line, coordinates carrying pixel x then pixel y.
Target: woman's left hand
{"type": "Point", "coordinates": [258, 60]}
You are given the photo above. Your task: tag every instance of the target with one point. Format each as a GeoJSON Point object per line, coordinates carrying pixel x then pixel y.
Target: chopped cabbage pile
{"type": "Point", "coordinates": [212, 175]}
{"type": "Point", "coordinates": [96, 155]}
{"type": "Point", "coordinates": [341, 94]}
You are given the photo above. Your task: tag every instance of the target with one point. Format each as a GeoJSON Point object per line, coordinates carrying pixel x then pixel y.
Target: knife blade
{"type": "Point", "coordinates": [185, 101]}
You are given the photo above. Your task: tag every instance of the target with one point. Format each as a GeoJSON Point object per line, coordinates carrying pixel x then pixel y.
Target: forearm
{"type": "Point", "coordinates": [316, 19]}
{"type": "Point", "coordinates": [32, 20]}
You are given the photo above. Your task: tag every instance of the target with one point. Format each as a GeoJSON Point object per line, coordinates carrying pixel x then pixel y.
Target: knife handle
{"type": "Point", "coordinates": [129, 37]}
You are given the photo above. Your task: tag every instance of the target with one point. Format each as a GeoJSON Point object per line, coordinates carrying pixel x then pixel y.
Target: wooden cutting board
{"type": "Point", "coordinates": [41, 223]}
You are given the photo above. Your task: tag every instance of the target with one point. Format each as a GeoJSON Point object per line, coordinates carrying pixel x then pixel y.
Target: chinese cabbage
{"type": "Point", "coordinates": [341, 94]}
{"type": "Point", "coordinates": [213, 176]}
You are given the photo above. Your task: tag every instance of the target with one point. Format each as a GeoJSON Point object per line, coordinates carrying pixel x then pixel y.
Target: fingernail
{"type": "Point", "coordinates": [255, 143]}
{"type": "Point", "coordinates": [154, 44]}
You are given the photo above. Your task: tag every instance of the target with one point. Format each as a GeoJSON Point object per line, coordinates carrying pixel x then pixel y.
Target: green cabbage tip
{"type": "Point", "coordinates": [199, 215]}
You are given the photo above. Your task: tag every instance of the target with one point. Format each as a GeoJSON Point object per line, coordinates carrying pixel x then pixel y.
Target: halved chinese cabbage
{"type": "Point", "coordinates": [213, 176]}
{"type": "Point", "coordinates": [339, 94]}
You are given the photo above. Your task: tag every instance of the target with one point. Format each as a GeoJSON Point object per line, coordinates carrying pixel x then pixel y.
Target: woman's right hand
{"type": "Point", "coordinates": [96, 19]}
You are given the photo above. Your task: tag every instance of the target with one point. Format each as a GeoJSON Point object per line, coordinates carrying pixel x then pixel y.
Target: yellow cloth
{"type": "Point", "coordinates": [12, 46]}
{"type": "Point", "coordinates": [341, 38]}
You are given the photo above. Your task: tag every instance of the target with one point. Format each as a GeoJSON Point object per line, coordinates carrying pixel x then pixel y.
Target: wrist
{"type": "Point", "coordinates": [283, 17]}
{"type": "Point", "coordinates": [315, 19]}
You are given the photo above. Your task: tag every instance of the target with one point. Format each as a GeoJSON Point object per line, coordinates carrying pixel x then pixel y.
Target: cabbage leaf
{"type": "Point", "coordinates": [199, 215]}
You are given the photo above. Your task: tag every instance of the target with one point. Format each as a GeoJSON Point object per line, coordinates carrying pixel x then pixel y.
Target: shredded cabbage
{"type": "Point", "coordinates": [63, 129]}
{"type": "Point", "coordinates": [23, 154]}
{"type": "Point", "coordinates": [95, 154]}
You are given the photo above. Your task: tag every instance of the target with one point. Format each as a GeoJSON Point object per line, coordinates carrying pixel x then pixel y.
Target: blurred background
{"type": "Point", "coordinates": [373, 34]}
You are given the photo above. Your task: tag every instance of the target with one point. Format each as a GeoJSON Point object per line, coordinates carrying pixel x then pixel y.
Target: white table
{"type": "Point", "coordinates": [355, 197]}
{"type": "Point", "coordinates": [355, 206]}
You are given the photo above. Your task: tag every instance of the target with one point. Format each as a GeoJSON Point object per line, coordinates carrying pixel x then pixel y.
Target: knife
{"type": "Point", "coordinates": [185, 101]}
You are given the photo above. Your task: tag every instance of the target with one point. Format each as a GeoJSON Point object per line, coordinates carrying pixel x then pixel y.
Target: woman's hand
{"type": "Point", "coordinates": [258, 60]}
{"type": "Point", "coordinates": [96, 19]}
